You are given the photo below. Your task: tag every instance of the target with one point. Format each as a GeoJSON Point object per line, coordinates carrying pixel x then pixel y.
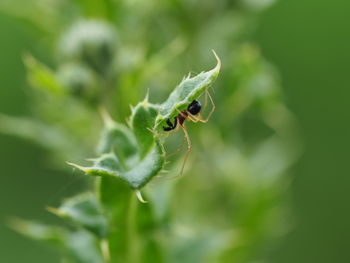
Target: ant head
{"type": "Point", "coordinates": [195, 107]}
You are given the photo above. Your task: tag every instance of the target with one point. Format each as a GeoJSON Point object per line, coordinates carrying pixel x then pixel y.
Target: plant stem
{"type": "Point", "coordinates": [105, 250]}
{"type": "Point", "coordinates": [132, 238]}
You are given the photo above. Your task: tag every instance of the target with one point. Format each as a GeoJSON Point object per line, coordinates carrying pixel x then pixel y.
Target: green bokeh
{"type": "Point", "coordinates": [308, 42]}
{"type": "Point", "coordinates": [25, 186]}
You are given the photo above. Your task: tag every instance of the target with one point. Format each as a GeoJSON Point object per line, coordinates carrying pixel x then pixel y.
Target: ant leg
{"type": "Point", "coordinates": [188, 150]}
{"type": "Point", "coordinates": [171, 126]}
{"type": "Point", "coordinates": [197, 119]}
{"type": "Point", "coordinates": [186, 156]}
{"type": "Point", "coordinates": [212, 109]}
{"type": "Point", "coordinates": [174, 129]}
{"type": "Point", "coordinates": [165, 133]}
{"type": "Point", "coordinates": [170, 132]}
{"type": "Point", "coordinates": [156, 133]}
{"type": "Point", "coordinates": [210, 113]}
{"type": "Point", "coordinates": [188, 117]}
{"type": "Point", "coordinates": [178, 149]}
{"type": "Point", "coordinates": [193, 118]}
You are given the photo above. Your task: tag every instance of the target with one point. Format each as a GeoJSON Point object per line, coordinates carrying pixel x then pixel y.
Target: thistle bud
{"type": "Point", "coordinates": [91, 43]}
{"type": "Point", "coordinates": [79, 81]}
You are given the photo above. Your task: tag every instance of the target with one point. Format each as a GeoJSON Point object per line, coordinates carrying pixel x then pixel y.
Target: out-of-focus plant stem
{"type": "Point", "coordinates": [132, 235]}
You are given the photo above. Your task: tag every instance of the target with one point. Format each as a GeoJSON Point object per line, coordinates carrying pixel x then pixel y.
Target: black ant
{"type": "Point", "coordinates": [193, 109]}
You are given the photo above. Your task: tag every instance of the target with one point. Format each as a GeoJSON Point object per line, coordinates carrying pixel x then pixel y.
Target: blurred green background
{"type": "Point", "coordinates": [308, 42]}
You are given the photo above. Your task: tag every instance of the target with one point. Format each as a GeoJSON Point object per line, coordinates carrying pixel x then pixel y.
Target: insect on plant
{"type": "Point", "coordinates": [139, 155]}
{"type": "Point", "coordinates": [193, 109]}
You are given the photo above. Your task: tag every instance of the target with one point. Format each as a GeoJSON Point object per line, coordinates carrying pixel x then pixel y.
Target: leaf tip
{"type": "Point", "coordinates": [218, 66]}
{"type": "Point", "coordinates": [139, 196]}
{"type": "Point", "coordinates": [91, 159]}
{"type": "Point", "coordinates": [54, 211]}
{"type": "Point", "coordinates": [105, 250]}
{"type": "Point", "coordinates": [147, 96]}
{"type": "Point", "coordinates": [15, 224]}
{"type": "Point", "coordinates": [19, 225]}
{"type": "Point", "coordinates": [106, 117]}
{"type": "Point", "coordinates": [27, 58]}
{"type": "Point", "coordinates": [78, 166]}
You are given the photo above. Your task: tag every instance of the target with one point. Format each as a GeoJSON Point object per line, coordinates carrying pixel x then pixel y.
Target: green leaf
{"type": "Point", "coordinates": [47, 136]}
{"type": "Point", "coordinates": [142, 121]}
{"type": "Point", "coordinates": [137, 176]}
{"type": "Point", "coordinates": [79, 246]}
{"type": "Point", "coordinates": [49, 234]}
{"type": "Point", "coordinates": [107, 163]}
{"type": "Point", "coordinates": [120, 158]}
{"type": "Point", "coordinates": [144, 171]}
{"type": "Point", "coordinates": [188, 90]}
{"type": "Point", "coordinates": [41, 77]}
{"type": "Point", "coordinates": [84, 248]}
{"type": "Point", "coordinates": [85, 211]}
{"type": "Point", "coordinates": [118, 139]}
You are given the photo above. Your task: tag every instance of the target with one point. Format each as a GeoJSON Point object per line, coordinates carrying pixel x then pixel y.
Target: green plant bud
{"type": "Point", "coordinates": [90, 42]}
{"type": "Point", "coordinates": [79, 81]}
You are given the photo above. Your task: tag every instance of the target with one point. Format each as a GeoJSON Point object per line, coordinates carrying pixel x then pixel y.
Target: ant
{"type": "Point", "coordinates": [190, 113]}
{"type": "Point", "coordinates": [194, 108]}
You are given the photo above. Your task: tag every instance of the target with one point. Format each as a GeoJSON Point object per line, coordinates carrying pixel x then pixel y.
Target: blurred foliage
{"type": "Point", "coordinates": [230, 206]}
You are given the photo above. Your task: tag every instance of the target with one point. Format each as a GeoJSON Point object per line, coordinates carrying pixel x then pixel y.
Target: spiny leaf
{"type": "Point", "coordinates": [85, 211]}
{"type": "Point", "coordinates": [109, 161]}
{"type": "Point", "coordinates": [188, 90]}
{"type": "Point", "coordinates": [137, 176]}
{"type": "Point", "coordinates": [150, 158]}
{"type": "Point", "coordinates": [118, 139]}
{"type": "Point", "coordinates": [147, 168]}
{"type": "Point", "coordinates": [106, 165]}
{"type": "Point", "coordinates": [142, 121]}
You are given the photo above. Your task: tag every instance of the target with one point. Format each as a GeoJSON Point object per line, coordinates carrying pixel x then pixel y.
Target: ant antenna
{"type": "Point", "coordinates": [178, 148]}
{"type": "Point", "coordinates": [188, 149]}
